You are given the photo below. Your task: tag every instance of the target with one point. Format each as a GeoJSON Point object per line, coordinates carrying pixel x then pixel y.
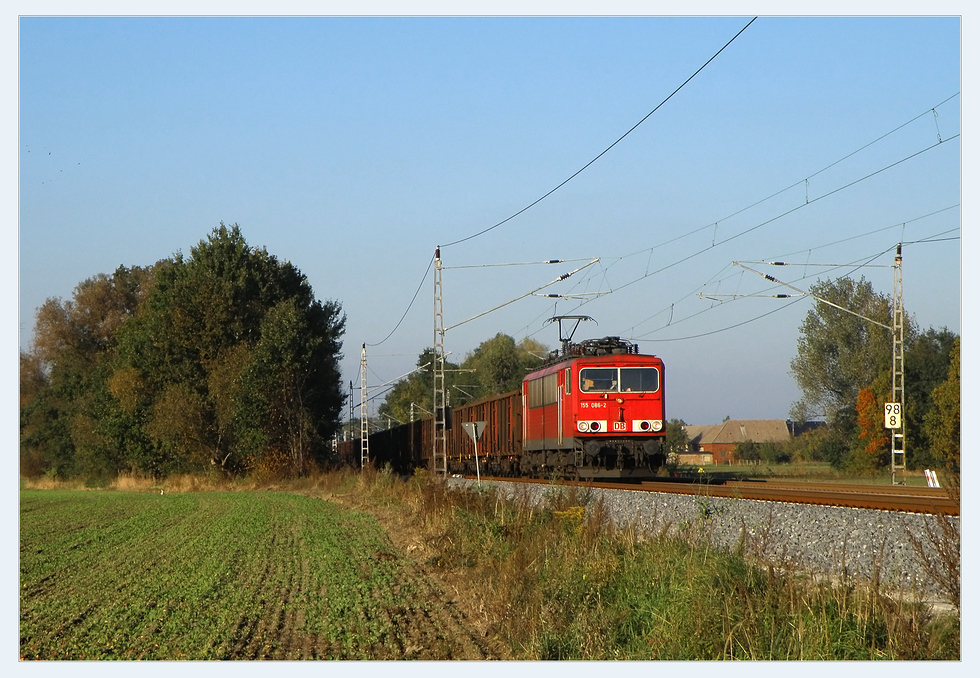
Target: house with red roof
{"type": "Point", "coordinates": [715, 444]}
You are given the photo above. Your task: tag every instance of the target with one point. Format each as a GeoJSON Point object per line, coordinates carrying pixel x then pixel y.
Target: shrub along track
{"type": "Point", "coordinates": [225, 575]}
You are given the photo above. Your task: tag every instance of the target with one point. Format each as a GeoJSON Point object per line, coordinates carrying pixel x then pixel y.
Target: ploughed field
{"type": "Point", "coordinates": [221, 575]}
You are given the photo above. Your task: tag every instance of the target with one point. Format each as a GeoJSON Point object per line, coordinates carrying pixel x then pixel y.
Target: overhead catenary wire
{"type": "Point", "coordinates": [863, 262]}
{"type": "Point", "coordinates": [854, 265]}
{"type": "Point", "coordinates": [795, 299]}
{"type": "Point", "coordinates": [608, 148]}
{"type": "Point", "coordinates": [560, 278]}
{"type": "Point", "coordinates": [779, 216]}
{"type": "Point", "coordinates": [804, 181]}
{"type": "Point", "coordinates": [586, 298]}
{"type": "Point", "coordinates": [519, 263]}
{"type": "Point", "coordinates": [410, 304]}
{"type": "Point", "coordinates": [715, 223]}
{"type": "Point", "coordinates": [808, 250]}
{"type": "Point", "coordinates": [871, 232]}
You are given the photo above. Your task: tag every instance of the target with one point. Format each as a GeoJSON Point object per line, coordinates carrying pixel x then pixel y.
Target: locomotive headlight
{"type": "Point", "coordinates": [657, 425]}
{"type": "Point", "coordinates": [591, 427]}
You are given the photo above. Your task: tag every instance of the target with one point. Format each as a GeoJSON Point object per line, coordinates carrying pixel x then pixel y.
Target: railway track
{"type": "Point", "coordinates": [902, 498]}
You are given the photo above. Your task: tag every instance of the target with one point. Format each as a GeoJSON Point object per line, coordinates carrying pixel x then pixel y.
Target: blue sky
{"type": "Point", "coordinates": [352, 147]}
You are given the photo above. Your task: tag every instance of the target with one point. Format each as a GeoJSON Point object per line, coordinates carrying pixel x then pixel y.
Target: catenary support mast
{"type": "Point", "coordinates": [438, 376]}
{"type": "Point", "coordinates": [898, 368]}
{"type": "Point", "coordinates": [364, 400]}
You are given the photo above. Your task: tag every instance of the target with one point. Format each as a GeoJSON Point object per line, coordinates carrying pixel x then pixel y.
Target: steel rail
{"type": "Point", "coordinates": [850, 495]}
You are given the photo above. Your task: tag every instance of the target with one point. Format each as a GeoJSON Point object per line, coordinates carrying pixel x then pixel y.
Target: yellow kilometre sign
{"type": "Point", "coordinates": [893, 415]}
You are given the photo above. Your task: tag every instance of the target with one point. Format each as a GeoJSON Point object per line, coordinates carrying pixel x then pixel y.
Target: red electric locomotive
{"type": "Point", "coordinates": [596, 411]}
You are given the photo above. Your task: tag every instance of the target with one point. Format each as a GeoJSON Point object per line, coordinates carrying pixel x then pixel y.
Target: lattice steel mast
{"type": "Point", "coordinates": [365, 459]}
{"type": "Point", "coordinates": [438, 376]}
{"type": "Point", "coordinates": [897, 329]}
{"type": "Point", "coordinates": [898, 367]}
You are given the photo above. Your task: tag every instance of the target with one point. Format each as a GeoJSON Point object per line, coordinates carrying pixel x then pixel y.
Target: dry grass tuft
{"type": "Point", "coordinates": [940, 555]}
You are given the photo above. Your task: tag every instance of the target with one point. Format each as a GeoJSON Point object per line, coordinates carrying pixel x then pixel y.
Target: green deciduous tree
{"type": "Point", "coordinates": [235, 358]}
{"type": "Point", "coordinates": [411, 396]}
{"type": "Point", "coordinates": [927, 365]}
{"type": "Point", "coordinates": [943, 421]}
{"type": "Point", "coordinates": [291, 383]}
{"type": "Point", "coordinates": [676, 441]}
{"type": "Point", "coordinates": [839, 353]}
{"type": "Point", "coordinates": [500, 364]}
{"type": "Point", "coordinates": [497, 365]}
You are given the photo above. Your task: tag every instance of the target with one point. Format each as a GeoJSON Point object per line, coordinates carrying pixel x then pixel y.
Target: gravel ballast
{"type": "Point", "coordinates": [822, 540]}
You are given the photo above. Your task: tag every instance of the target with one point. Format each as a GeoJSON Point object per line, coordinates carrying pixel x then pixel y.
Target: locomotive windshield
{"type": "Point", "coordinates": [619, 379]}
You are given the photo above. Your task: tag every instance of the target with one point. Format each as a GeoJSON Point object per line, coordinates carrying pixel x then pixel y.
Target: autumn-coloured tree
{"type": "Point", "coordinates": [870, 425]}
{"type": "Point", "coordinates": [69, 421]}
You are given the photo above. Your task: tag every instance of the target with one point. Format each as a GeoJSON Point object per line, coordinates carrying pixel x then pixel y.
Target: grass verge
{"type": "Point", "coordinates": [561, 581]}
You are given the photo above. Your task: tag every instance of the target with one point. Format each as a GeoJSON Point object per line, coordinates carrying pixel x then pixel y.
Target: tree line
{"type": "Point", "coordinates": [221, 360]}
{"type": "Point", "coordinates": [496, 366]}
{"type": "Point", "coordinates": [225, 360]}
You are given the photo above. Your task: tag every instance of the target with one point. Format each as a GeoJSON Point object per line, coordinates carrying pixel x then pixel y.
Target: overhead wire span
{"type": "Point", "coordinates": [725, 329]}
{"type": "Point", "coordinates": [822, 267]}
{"type": "Point", "coordinates": [608, 148]}
{"type": "Point", "coordinates": [715, 223]}
{"type": "Point", "coordinates": [560, 278]}
{"type": "Point", "coordinates": [872, 232]}
{"type": "Point", "coordinates": [809, 294]}
{"type": "Point", "coordinates": [577, 295]}
{"type": "Point", "coordinates": [392, 381]}
{"type": "Point", "coordinates": [810, 263]}
{"type": "Point", "coordinates": [648, 273]}
{"type": "Point", "coordinates": [520, 263]}
{"type": "Point", "coordinates": [410, 304]}
{"type": "Point", "coordinates": [934, 238]}
{"type": "Point", "coordinates": [780, 216]}
{"type": "Point", "coordinates": [854, 265]}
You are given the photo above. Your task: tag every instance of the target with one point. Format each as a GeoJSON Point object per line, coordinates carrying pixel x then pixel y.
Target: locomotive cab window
{"type": "Point", "coordinates": [620, 380]}
{"type": "Point", "coordinates": [598, 379]}
{"type": "Point", "coordinates": [639, 379]}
